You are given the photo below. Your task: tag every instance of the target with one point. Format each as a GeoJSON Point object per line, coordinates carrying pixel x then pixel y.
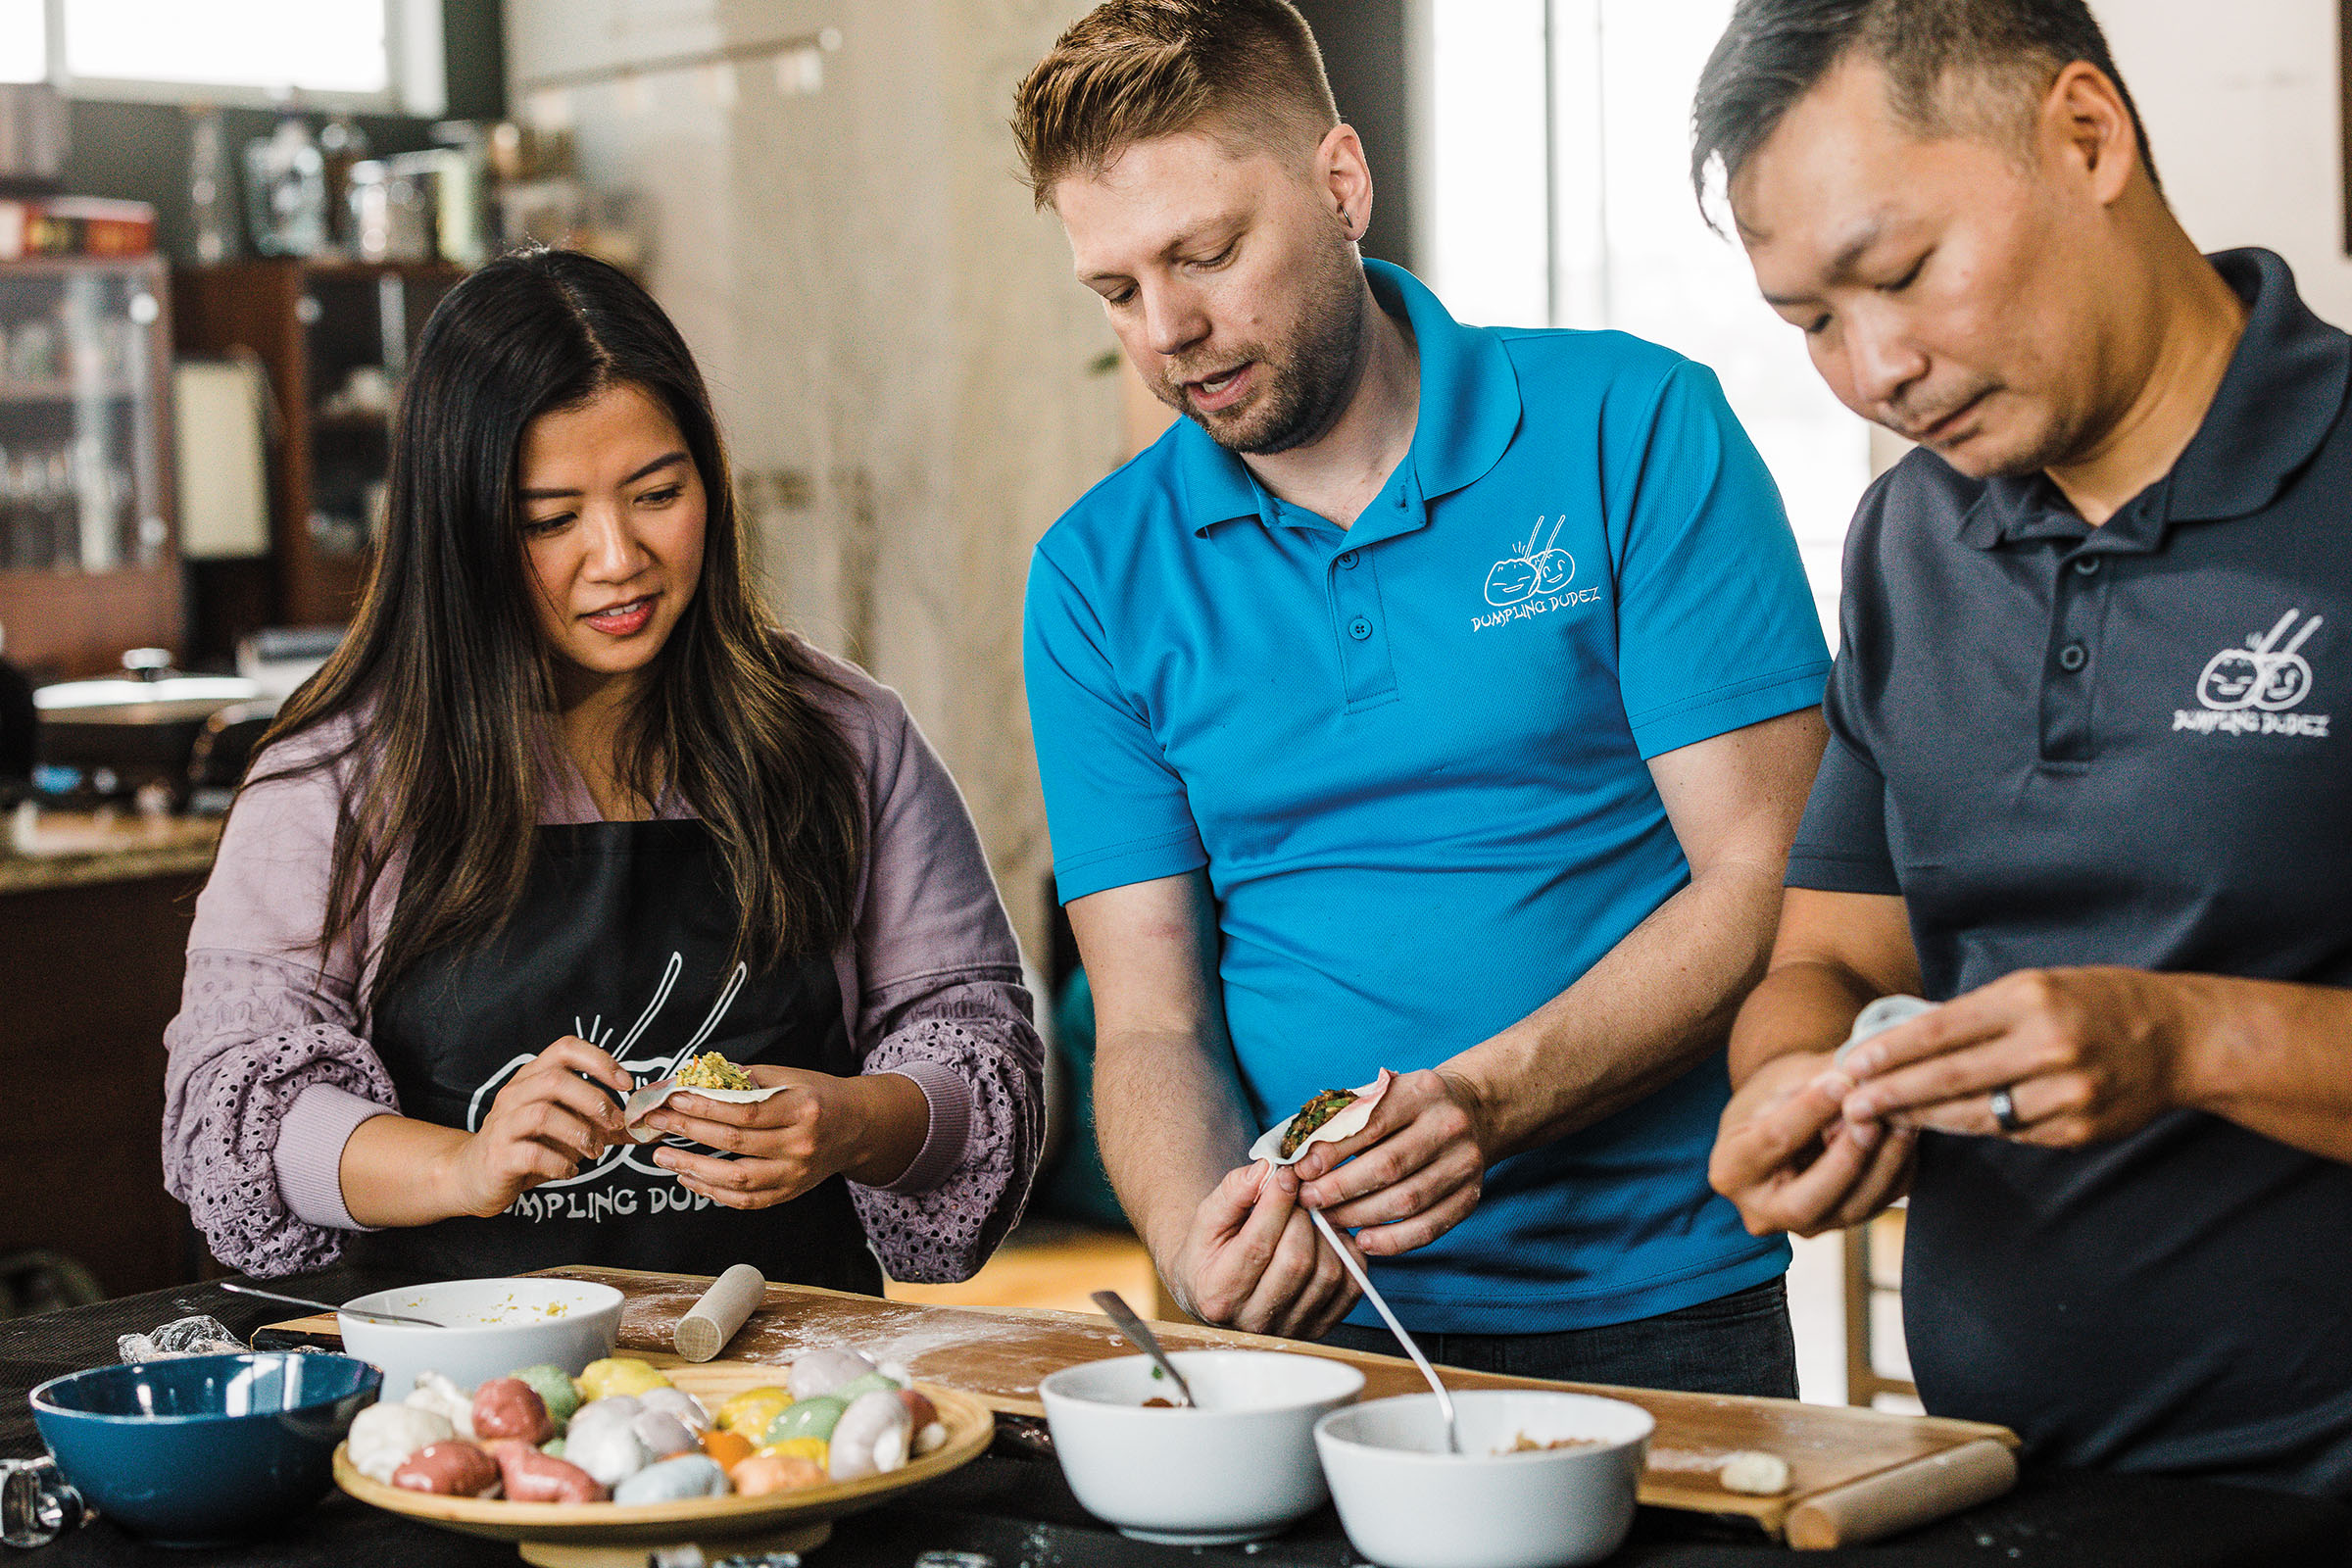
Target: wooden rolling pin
{"type": "Point", "coordinates": [1909, 1494]}
{"type": "Point", "coordinates": [711, 1322]}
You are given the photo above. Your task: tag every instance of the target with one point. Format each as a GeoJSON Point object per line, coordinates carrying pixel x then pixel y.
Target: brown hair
{"type": "Point", "coordinates": [1132, 69]}
{"type": "Point", "coordinates": [446, 681]}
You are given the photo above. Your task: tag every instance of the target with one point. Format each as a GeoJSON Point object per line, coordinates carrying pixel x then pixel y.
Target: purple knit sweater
{"type": "Point", "coordinates": [271, 1069]}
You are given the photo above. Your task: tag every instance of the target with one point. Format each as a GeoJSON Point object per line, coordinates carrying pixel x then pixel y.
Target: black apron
{"type": "Point", "coordinates": [621, 937]}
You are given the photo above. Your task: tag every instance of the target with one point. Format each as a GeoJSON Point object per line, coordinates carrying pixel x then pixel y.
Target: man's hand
{"type": "Point", "coordinates": [1412, 1174]}
{"type": "Point", "coordinates": [2086, 1055]}
{"type": "Point", "coordinates": [1252, 1261]}
{"type": "Point", "coordinates": [1789, 1160]}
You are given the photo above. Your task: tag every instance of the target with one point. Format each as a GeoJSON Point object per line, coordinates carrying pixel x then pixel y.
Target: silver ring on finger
{"type": "Point", "coordinates": [2004, 1112]}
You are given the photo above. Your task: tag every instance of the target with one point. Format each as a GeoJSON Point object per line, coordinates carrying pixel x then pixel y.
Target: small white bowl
{"type": "Point", "coordinates": [1240, 1466]}
{"type": "Point", "coordinates": [490, 1328]}
{"type": "Point", "coordinates": [1405, 1502]}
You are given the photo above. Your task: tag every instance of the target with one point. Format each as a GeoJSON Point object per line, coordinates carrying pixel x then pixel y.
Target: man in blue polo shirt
{"type": "Point", "coordinates": [1432, 698]}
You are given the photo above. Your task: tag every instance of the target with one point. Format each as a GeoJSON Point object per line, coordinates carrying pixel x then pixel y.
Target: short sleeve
{"type": "Point", "coordinates": [1841, 844]}
{"type": "Point", "coordinates": [1716, 626]}
{"type": "Point", "coordinates": [1118, 814]}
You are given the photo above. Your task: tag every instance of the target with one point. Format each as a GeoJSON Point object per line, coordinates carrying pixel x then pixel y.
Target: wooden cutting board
{"type": "Point", "coordinates": [1857, 1475]}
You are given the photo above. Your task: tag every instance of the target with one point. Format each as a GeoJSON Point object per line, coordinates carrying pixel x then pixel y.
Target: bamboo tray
{"type": "Point", "coordinates": [594, 1535]}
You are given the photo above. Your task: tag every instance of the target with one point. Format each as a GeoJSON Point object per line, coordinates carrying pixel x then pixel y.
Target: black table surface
{"type": "Point", "coordinates": [1016, 1511]}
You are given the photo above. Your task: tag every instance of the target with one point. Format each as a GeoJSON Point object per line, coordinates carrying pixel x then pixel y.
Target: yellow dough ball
{"type": "Point", "coordinates": [749, 1412]}
{"type": "Point", "coordinates": [601, 1380]}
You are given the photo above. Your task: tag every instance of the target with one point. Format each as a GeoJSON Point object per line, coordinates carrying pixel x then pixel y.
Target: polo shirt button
{"type": "Point", "coordinates": [2085, 565]}
{"type": "Point", "coordinates": [2072, 656]}
{"type": "Point", "coordinates": [1347, 561]}
{"type": "Point", "coordinates": [1359, 628]}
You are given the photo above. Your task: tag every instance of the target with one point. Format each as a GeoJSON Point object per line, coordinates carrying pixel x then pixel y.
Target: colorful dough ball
{"type": "Point", "coordinates": [872, 1383]}
{"type": "Point", "coordinates": [534, 1477]}
{"type": "Point", "coordinates": [383, 1435]}
{"type": "Point", "coordinates": [619, 1375]}
{"type": "Point", "coordinates": [452, 1469]}
{"type": "Point", "coordinates": [764, 1473]}
{"type": "Point", "coordinates": [690, 1475]}
{"type": "Point", "coordinates": [509, 1407]}
{"type": "Point", "coordinates": [727, 1449]}
{"type": "Point", "coordinates": [807, 1419]}
{"type": "Point", "coordinates": [749, 1412]}
{"type": "Point", "coordinates": [554, 1388]}
{"type": "Point", "coordinates": [812, 1449]}
{"type": "Point", "coordinates": [821, 1372]}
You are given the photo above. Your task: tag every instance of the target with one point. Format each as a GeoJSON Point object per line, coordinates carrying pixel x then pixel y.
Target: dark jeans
{"type": "Point", "coordinates": [1736, 1344]}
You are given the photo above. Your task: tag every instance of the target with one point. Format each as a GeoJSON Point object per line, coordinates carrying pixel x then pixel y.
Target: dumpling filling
{"type": "Point", "coordinates": [1312, 1115]}
{"type": "Point", "coordinates": [710, 1070]}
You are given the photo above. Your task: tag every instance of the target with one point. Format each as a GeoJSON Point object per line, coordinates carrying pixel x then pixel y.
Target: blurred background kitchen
{"type": "Point", "coordinates": [222, 224]}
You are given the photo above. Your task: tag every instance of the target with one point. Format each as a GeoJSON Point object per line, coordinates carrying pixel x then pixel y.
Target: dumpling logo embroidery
{"type": "Point", "coordinates": [2253, 690]}
{"type": "Point", "coordinates": [1533, 581]}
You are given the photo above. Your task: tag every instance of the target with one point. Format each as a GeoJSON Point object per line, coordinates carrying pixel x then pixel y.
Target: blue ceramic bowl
{"type": "Point", "coordinates": [206, 1449]}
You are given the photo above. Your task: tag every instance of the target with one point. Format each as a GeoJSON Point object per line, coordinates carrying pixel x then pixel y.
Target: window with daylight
{"type": "Point", "coordinates": [1560, 196]}
{"type": "Point", "coordinates": [177, 49]}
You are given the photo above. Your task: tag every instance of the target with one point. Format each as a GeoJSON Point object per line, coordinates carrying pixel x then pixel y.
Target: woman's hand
{"type": "Point", "coordinates": [868, 1128]}
{"type": "Point", "coordinates": [550, 1118]}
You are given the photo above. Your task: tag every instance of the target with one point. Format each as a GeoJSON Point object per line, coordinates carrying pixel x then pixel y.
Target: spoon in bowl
{"type": "Point", "coordinates": [329, 1306]}
{"type": "Point", "coordinates": [1140, 1334]}
{"type": "Point", "coordinates": [1363, 1282]}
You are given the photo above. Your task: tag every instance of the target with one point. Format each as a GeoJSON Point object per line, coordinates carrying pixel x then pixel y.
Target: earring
{"type": "Point", "coordinates": [1347, 223]}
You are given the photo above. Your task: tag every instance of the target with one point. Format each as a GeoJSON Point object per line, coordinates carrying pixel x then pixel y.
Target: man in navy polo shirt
{"type": "Point", "coordinates": [1430, 698]}
{"type": "Point", "coordinates": [2090, 771]}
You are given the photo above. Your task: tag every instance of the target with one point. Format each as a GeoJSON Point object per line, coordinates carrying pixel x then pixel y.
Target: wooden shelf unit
{"type": "Point", "coordinates": [310, 323]}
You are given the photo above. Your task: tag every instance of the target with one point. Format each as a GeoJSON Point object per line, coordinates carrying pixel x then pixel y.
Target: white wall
{"type": "Point", "coordinates": [2242, 102]}
{"type": "Point", "coordinates": [900, 357]}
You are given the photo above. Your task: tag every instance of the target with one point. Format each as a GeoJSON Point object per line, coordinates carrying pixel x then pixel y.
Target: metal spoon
{"type": "Point", "coordinates": [1136, 1330]}
{"type": "Point", "coordinates": [1453, 1433]}
{"type": "Point", "coordinates": [329, 1306]}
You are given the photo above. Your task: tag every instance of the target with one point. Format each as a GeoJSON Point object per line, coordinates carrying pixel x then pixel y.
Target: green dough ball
{"type": "Point", "coordinates": [809, 1418]}
{"type": "Point", "coordinates": [553, 1448]}
{"type": "Point", "coordinates": [871, 1383]}
{"type": "Point", "coordinates": [553, 1384]}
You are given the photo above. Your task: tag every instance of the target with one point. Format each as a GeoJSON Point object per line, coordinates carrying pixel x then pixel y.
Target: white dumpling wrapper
{"type": "Point", "coordinates": [1879, 1017]}
{"type": "Point", "coordinates": [678, 1402]}
{"type": "Point", "coordinates": [871, 1438]}
{"type": "Point", "coordinates": [382, 1436]}
{"type": "Point", "coordinates": [1351, 1120]}
{"type": "Point", "coordinates": [645, 1101]}
{"type": "Point", "coordinates": [819, 1372]}
{"type": "Point", "coordinates": [607, 1450]}
{"type": "Point", "coordinates": [691, 1475]}
{"type": "Point", "coordinates": [434, 1391]}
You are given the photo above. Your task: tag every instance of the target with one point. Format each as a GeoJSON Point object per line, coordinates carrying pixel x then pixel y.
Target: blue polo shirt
{"type": "Point", "coordinates": [1411, 756]}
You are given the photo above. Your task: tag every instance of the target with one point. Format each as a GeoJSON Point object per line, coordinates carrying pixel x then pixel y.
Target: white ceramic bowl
{"type": "Point", "coordinates": [490, 1328]}
{"type": "Point", "coordinates": [1240, 1466]}
{"type": "Point", "coordinates": [1408, 1503]}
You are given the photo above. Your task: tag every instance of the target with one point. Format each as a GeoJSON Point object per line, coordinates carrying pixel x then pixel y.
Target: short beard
{"type": "Point", "coordinates": [1309, 380]}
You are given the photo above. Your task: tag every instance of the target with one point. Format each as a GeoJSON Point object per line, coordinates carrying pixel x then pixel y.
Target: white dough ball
{"type": "Point", "coordinates": [820, 1372]}
{"type": "Point", "coordinates": [663, 1434]}
{"type": "Point", "coordinates": [436, 1392]}
{"type": "Point", "coordinates": [1754, 1474]}
{"type": "Point", "coordinates": [607, 1450]}
{"type": "Point", "coordinates": [678, 1402]}
{"type": "Point", "coordinates": [871, 1438]}
{"type": "Point", "coordinates": [383, 1435]}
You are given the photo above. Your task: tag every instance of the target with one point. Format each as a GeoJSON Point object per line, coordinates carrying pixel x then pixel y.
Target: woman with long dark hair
{"type": "Point", "coordinates": [563, 812]}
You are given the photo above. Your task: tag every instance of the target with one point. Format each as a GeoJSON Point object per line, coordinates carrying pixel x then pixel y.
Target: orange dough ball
{"type": "Point", "coordinates": [726, 1448]}
{"type": "Point", "coordinates": [764, 1473]}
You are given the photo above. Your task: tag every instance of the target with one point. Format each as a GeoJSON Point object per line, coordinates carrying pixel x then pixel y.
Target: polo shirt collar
{"type": "Point", "coordinates": [2282, 393]}
{"type": "Point", "coordinates": [1469, 412]}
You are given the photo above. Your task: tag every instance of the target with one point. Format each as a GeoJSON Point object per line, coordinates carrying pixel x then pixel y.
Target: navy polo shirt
{"type": "Point", "coordinates": [1411, 756]}
{"type": "Point", "coordinates": [2124, 745]}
